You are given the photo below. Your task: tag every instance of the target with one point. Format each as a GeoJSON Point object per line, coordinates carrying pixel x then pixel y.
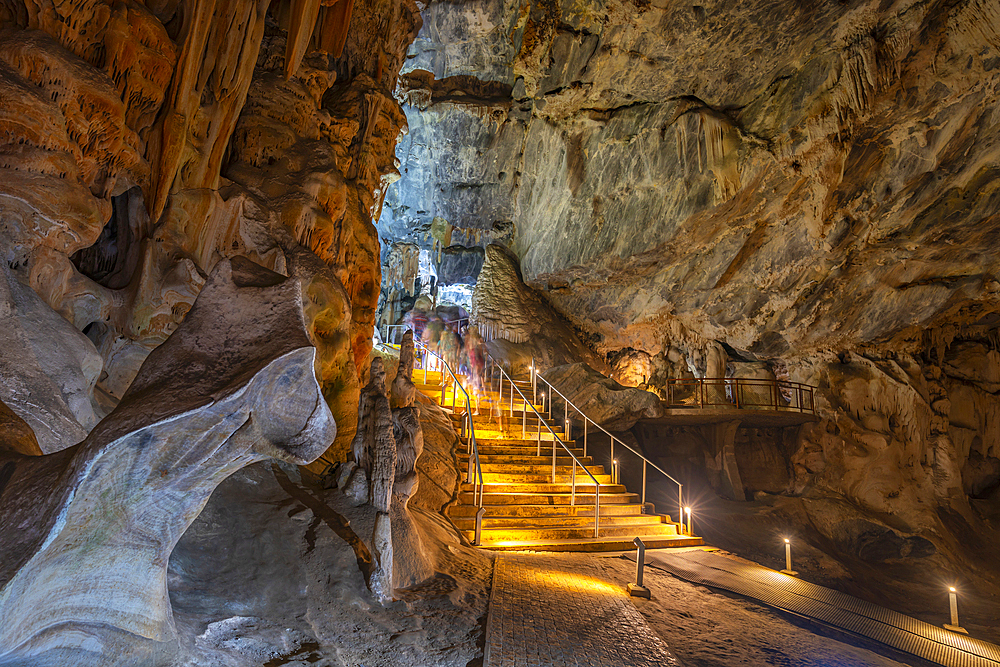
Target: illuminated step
{"type": "Point", "coordinates": [540, 498]}
{"type": "Point", "coordinates": [571, 532]}
{"type": "Point", "coordinates": [613, 509]}
{"type": "Point", "coordinates": [591, 544]}
{"type": "Point", "coordinates": [525, 479]}
{"type": "Point", "coordinates": [579, 521]}
{"type": "Point", "coordinates": [562, 459]}
{"type": "Point", "coordinates": [519, 445]}
{"type": "Point", "coordinates": [543, 467]}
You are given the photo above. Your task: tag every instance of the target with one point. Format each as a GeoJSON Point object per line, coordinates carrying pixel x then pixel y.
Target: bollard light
{"type": "Point", "coordinates": [953, 603]}
{"type": "Point", "coordinates": [614, 471]}
{"type": "Point", "coordinates": [788, 558]}
{"type": "Point", "coordinates": [687, 510]}
{"type": "Point", "coordinates": [637, 589]}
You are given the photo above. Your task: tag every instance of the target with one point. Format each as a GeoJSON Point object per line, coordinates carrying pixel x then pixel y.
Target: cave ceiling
{"type": "Point", "coordinates": [785, 177]}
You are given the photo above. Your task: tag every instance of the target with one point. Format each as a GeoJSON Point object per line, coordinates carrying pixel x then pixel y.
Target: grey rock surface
{"type": "Point", "coordinates": [87, 531]}
{"type": "Point", "coordinates": [608, 403]}
{"type": "Point", "coordinates": [48, 368]}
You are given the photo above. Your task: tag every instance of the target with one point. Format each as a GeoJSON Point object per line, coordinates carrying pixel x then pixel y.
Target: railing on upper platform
{"type": "Point", "coordinates": [742, 393]}
{"type": "Point", "coordinates": [615, 468]}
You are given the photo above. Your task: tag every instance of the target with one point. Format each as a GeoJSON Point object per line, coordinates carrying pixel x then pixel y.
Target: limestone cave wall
{"type": "Point", "coordinates": [141, 143]}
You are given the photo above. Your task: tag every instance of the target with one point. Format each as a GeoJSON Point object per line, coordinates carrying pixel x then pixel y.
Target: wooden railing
{"type": "Point", "coordinates": [743, 393]}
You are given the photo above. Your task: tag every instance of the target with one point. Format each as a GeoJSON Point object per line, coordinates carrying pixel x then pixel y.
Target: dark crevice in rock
{"type": "Point", "coordinates": [113, 259]}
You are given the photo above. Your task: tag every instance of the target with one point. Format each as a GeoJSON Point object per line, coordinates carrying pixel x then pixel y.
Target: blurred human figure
{"type": "Point", "coordinates": [417, 317]}
{"type": "Point", "coordinates": [475, 354]}
{"type": "Point", "coordinates": [431, 338]}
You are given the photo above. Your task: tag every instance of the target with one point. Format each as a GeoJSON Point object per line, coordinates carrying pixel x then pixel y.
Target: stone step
{"type": "Point", "coordinates": [531, 522]}
{"type": "Point", "coordinates": [517, 445]}
{"type": "Point", "coordinates": [521, 459]}
{"type": "Point", "coordinates": [592, 544]}
{"type": "Point", "coordinates": [512, 434]}
{"type": "Point", "coordinates": [543, 479]}
{"type": "Point", "coordinates": [607, 509]}
{"type": "Point", "coordinates": [541, 498]}
{"type": "Point", "coordinates": [508, 421]}
{"type": "Point", "coordinates": [543, 488]}
{"type": "Point", "coordinates": [543, 466]}
{"type": "Point", "coordinates": [571, 532]}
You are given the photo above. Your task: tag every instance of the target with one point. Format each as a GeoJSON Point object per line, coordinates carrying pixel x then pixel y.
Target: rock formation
{"type": "Point", "coordinates": [403, 390]}
{"type": "Point", "coordinates": [143, 144]}
{"type": "Point", "coordinates": [517, 322]}
{"type": "Point", "coordinates": [610, 404]}
{"type": "Point", "coordinates": [88, 530]}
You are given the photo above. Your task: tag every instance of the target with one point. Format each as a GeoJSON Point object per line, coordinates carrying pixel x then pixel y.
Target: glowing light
{"type": "Point", "coordinates": [615, 461]}
{"type": "Point", "coordinates": [786, 540]}
{"type": "Point", "coordinates": [952, 589]}
{"type": "Point", "coordinates": [687, 509]}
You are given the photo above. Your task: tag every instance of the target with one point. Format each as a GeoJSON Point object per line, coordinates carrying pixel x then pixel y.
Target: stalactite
{"type": "Point", "coordinates": [335, 20]}
{"type": "Point", "coordinates": [300, 29]}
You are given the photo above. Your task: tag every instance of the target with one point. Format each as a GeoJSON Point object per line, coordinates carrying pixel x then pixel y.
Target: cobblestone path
{"type": "Point", "coordinates": [562, 610]}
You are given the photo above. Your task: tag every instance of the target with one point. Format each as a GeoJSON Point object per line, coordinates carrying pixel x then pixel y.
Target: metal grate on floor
{"type": "Point", "coordinates": [775, 589]}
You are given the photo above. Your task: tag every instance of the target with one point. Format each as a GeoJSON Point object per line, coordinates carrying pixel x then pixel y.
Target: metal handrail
{"type": "Point", "coordinates": [735, 388]}
{"type": "Point", "coordinates": [475, 478]}
{"type": "Point", "coordinates": [555, 439]}
{"type": "Point", "coordinates": [614, 462]}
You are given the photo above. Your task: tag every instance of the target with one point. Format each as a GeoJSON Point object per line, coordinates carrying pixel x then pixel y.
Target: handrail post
{"type": "Point", "coordinates": [454, 392]}
{"type": "Point", "coordinates": [644, 485]}
{"type": "Point", "coordinates": [524, 422]}
{"type": "Point", "coordinates": [572, 497]}
{"type": "Point", "coordinates": [736, 391]}
{"type": "Point", "coordinates": [538, 451]}
{"type": "Point", "coordinates": [597, 509]}
{"type": "Point", "coordinates": [553, 459]}
{"type": "Point", "coordinates": [534, 383]}
{"type": "Point", "coordinates": [680, 504]}
{"type": "Point", "coordinates": [479, 526]}
{"type": "Point", "coordinates": [585, 436]}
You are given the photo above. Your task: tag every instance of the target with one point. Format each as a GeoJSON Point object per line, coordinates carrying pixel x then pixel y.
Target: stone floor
{"type": "Point", "coordinates": [565, 610]}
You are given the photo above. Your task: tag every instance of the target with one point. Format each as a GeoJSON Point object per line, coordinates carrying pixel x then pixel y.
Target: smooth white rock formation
{"type": "Point", "coordinates": [86, 533]}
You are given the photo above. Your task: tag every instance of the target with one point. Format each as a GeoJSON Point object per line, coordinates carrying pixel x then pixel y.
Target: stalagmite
{"type": "Point", "coordinates": [403, 389]}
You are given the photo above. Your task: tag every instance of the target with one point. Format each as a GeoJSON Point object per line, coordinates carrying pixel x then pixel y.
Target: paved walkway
{"type": "Point", "coordinates": [562, 610]}
{"type": "Point", "coordinates": [899, 631]}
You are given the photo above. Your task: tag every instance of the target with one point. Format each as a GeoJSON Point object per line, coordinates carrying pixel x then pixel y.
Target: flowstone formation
{"type": "Point", "coordinates": [88, 530]}
{"type": "Point", "coordinates": [141, 145]}
{"type": "Point", "coordinates": [518, 322]}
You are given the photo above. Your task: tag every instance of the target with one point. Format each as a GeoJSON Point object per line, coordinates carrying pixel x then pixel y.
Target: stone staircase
{"type": "Point", "coordinates": [524, 509]}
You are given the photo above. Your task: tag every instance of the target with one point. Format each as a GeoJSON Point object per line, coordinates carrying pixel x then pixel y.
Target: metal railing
{"type": "Point", "coordinates": [491, 364]}
{"type": "Point", "coordinates": [615, 468]}
{"type": "Point", "coordinates": [742, 393]}
{"type": "Point", "coordinates": [474, 473]}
